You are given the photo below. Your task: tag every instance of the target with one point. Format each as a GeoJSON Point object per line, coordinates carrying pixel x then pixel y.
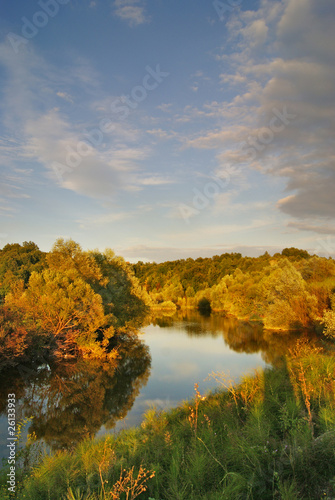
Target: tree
{"type": "Point", "coordinates": [296, 253]}
{"type": "Point", "coordinates": [287, 301]}
{"type": "Point", "coordinates": [14, 338]}
{"type": "Point", "coordinates": [81, 297]}
{"type": "Point", "coordinates": [68, 255]}
{"type": "Point", "coordinates": [121, 293]}
{"type": "Point", "coordinates": [329, 322]}
{"type": "Point", "coordinates": [329, 319]}
{"type": "Point", "coordinates": [62, 305]}
{"type": "Point", "coordinates": [17, 262]}
{"type": "Point", "coordinates": [124, 301]}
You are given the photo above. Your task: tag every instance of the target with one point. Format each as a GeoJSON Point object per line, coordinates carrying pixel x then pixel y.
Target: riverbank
{"type": "Point", "coordinates": [272, 436]}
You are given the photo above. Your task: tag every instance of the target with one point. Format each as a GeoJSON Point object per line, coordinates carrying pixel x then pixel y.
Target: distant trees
{"type": "Point", "coordinates": [295, 253]}
{"type": "Point", "coordinates": [285, 291]}
{"type": "Point", "coordinates": [71, 301]}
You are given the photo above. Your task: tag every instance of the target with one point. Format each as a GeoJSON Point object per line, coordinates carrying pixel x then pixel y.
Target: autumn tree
{"type": "Point", "coordinates": [17, 262]}
{"type": "Point", "coordinates": [287, 301]}
{"type": "Point", "coordinates": [329, 319]}
{"type": "Point", "coordinates": [81, 297]}
{"type": "Point", "coordinates": [62, 306]}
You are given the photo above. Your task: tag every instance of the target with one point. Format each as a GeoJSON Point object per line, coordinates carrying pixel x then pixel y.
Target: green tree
{"type": "Point", "coordinates": [286, 299]}
{"type": "Point", "coordinates": [60, 305]}
{"type": "Point", "coordinates": [121, 293]}
{"type": "Point", "coordinates": [17, 262]}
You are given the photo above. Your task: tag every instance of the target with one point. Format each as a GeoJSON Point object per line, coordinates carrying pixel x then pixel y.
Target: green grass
{"type": "Point", "coordinates": [270, 437]}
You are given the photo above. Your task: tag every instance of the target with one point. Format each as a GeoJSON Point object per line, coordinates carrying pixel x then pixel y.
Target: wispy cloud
{"type": "Point", "coordinates": [49, 135]}
{"type": "Point", "coordinates": [103, 219]}
{"type": "Point", "coordinates": [131, 11]}
{"type": "Point", "coordinates": [65, 96]}
{"type": "Point", "coordinates": [280, 67]}
{"type": "Point", "coordinates": [321, 229]}
{"type": "Point", "coordinates": [156, 180]}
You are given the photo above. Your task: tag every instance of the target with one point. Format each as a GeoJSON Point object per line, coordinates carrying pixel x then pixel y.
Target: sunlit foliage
{"type": "Point", "coordinates": [284, 291]}
{"type": "Point", "coordinates": [72, 300]}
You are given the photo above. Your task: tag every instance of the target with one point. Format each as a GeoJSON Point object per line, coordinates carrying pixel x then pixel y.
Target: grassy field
{"type": "Point", "coordinates": [270, 437]}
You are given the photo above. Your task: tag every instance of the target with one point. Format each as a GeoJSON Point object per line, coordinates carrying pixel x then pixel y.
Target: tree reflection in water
{"type": "Point", "coordinates": [72, 400]}
{"type": "Point", "coordinates": [240, 336]}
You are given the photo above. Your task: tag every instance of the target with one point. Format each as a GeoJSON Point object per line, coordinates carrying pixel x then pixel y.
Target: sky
{"type": "Point", "coordinates": [167, 130]}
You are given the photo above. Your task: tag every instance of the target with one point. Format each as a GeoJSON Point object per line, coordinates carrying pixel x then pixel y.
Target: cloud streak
{"type": "Point", "coordinates": [131, 11]}
{"type": "Point", "coordinates": [280, 65]}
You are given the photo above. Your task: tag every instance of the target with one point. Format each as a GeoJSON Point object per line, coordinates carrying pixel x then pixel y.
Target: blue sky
{"type": "Point", "coordinates": [168, 129]}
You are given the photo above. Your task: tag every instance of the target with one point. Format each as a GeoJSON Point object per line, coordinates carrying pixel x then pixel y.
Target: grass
{"type": "Point", "coordinates": [270, 437]}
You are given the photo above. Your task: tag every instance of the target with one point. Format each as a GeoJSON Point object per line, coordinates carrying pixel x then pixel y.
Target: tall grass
{"type": "Point", "coordinates": [270, 437]}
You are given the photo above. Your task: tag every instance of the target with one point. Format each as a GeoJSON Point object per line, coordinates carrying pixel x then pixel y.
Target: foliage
{"type": "Point", "coordinates": [167, 305]}
{"type": "Point", "coordinates": [329, 319]}
{"type": "Point", "coordinates": [121, 293]}
{"type": "Point", "coordinates": [17, 262]}
{"type": "Point", "coordinates": [286, 291]}
{"type": "Point", "coordinates": [77, 298]}
{"type": "Point", "coordinates": [60, 304]}
{"type": "Point", "coordinates": [15, 339]}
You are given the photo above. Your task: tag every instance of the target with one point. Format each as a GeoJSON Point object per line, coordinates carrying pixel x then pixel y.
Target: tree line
{"type": "Point", "coordinates": [70, 302]}
{"type": "Point", "coordinates": [288, 290]}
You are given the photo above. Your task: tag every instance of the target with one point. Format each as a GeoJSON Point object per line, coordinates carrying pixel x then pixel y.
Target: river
{"type": "Point", "coordinates": [72, 400]}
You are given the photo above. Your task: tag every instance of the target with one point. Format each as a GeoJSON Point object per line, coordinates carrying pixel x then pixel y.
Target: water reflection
{"type": "Point", "coordinates": [240, 336]}
{"type": "Point", "coordinates": [72, 400]}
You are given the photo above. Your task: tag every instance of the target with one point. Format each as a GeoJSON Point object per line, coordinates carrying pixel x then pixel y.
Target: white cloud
{"type": "Point", "coordinates": [155, 181]}
{"type": "Point", "coordinates": [103, 219]}
{"type": "Point", "coordinates": [255, 33]}
{"type": "Point", "coordinates": [233, 79]}
{"type": "Point", "coordinates": [65, 96]}
{"type": "Point", "coordinates": [131, 11]}
{"type": "Point", "coordinates": [165, 107]}
{"type": "Point", "coordinates": [97, 167]}
{"type": "Point", "coordinates": [161, 134]}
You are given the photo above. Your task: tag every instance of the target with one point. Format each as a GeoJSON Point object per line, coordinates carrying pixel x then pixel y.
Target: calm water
{"type": "Point", "coordinates": [77, 399]}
